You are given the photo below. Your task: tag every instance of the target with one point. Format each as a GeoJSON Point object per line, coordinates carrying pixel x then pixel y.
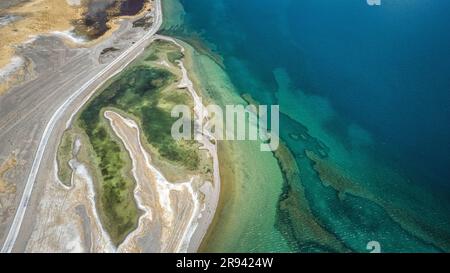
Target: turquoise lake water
{"type": "Point", "coordinates": [364, 95]}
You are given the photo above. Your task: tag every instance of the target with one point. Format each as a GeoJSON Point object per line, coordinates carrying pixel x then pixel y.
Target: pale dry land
{"type": "Point", "coordinates": [36, 112]}
{"type": "Point", "coordinates": [34, 18]}
{"type": "Point", "coordinates": [42, 17]}
{"type": "Point", "coordinates": [7, 189]}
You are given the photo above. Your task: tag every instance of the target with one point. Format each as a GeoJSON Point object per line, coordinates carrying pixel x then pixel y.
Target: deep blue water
{"type": "Point", "coordinates": [385, 68]}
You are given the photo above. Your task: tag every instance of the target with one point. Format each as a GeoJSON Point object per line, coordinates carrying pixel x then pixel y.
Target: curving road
{"type": "Point", "coordinates": [113, 68]}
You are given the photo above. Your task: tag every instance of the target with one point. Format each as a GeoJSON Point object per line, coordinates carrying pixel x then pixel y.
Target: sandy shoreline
{"type": "Point", "coordinates": [212, 199]}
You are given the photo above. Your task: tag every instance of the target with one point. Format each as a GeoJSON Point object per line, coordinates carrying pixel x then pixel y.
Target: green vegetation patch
{"type": "Point", "coordinates": [63, 157]}
{"type": "Point", "coordinates": [115, 187]}
{"type": "Point", "coordinates": [174, 56]}
{"type": "Point", "coordinates": [141, 93]}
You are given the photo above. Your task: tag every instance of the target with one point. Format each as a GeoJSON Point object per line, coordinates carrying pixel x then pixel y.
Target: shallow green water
{"type": "Point", "coordinates": [247, 220]}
